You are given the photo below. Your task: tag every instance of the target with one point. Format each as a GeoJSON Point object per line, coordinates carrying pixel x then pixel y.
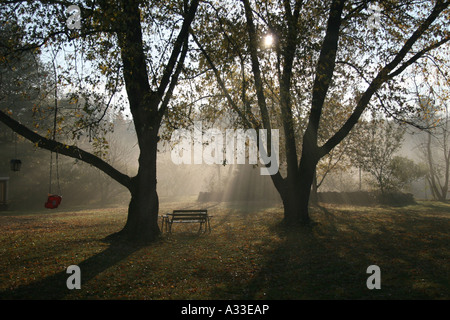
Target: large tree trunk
{"type": "Point", "coordinates": [314, 191]}
{"type": "Point", "coordinates": [300, 179]}
{"type": "Point", "coordinates": [297, 192]}
{"type": "Point", "coordinates": [148, 107]}
{"type": "Point", "coordinates": [142, 221]}
{"type": "Point", "coordinates": [294, 207]}
{"type": "Point", "coordinates": [301, 182]}
{"type": "Point", "coordinates": [296, 204]}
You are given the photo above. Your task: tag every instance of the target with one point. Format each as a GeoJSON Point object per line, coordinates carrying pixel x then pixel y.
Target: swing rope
{"type": "Point", "coordinates": [53, 201]}
{"type": "Point", "coordinates": [15, 145]}
{"type": "Point", "coordinates": [57, 173]}
{"type": "Point", "coordinates": [54, 139]}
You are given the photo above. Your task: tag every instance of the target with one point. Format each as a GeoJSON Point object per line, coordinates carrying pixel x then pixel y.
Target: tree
{"type": "Point", "coordinates": [320, 48]}
{"type": "Point", "coordinates": [379, 141]}
{"type": "Point", "coordinates": [436, 148]}
{"type": "Point", "coordinates": [22, 76]}
{"type": "Point", "coordinates": [432, 94]}
{"type": "Point", "coordinates": [340, 158]}
{"type": "Point", "coordinates": [115, 43]}
{"type": "Point", "coordinates": [376, 152]}
{"type": "Point", "coordinates": [403, 172]}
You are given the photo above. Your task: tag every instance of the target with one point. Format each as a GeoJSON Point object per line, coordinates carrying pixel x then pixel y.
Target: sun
{"type": "Point", "coordinates": [268, 40]}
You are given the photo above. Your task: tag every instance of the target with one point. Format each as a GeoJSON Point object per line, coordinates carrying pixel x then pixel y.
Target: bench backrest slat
{"type": "Point", "coordinates": [189, 215]}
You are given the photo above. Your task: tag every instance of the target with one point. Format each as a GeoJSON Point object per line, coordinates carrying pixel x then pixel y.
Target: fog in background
{"type": "Point", "coordinates": [82, 185]}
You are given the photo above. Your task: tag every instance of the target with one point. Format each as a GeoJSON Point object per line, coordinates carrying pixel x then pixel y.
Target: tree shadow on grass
{"type": "Point", "coordinates": [329, 259]}
{"type": "Point", "coordinates": [55, 288]}
{"type": "Point", "coordinates": [411, 247]}
{"type": "Point", "coordinates": [303, 267]}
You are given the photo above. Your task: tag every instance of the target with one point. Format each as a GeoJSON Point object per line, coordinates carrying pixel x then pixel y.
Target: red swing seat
{"type": "Point", "coordinates": [53, 201]}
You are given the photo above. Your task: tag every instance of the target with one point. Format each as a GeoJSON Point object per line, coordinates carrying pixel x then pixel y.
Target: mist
{"type": "Point", "coordinates": [240, 185]}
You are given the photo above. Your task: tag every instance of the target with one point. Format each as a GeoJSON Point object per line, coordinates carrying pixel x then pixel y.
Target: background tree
{"type": "Point", "coordinates": [320, 48]}
{"type": "Point", "coordinates": [431, 92]}
{"type": "Point", "coordinates": [379, 141]}
{"type": "Point", "coordinates": [341, 157]}
{"type": "Point", "coordinates": [436, 148]}
{"type": "Point", "coordinates": [404, 171]}
{"type": "Point", "coordinates": [24, 78]}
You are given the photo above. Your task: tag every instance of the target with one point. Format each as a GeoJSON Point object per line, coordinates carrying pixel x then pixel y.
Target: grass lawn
{"type": "Point", "coordinates": [247, 255]}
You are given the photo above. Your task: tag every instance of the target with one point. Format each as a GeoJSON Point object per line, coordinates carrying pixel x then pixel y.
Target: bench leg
{"type": "Point", "coordinates": [205, 226]}
{"type": "Point", "coordinates": [164, 225]}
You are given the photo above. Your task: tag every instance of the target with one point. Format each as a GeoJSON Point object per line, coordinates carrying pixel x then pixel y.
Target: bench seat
{"type": "Point", "coordinates": [187, 216]}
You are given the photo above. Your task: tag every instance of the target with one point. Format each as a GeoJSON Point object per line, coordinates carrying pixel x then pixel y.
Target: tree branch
{"type": "Point", "coordinates": [417, 56]}
{"type": "Point", "coordinates": [70, 151]}
{"type": "Point", "coordinates": [252, 123]}
{"type": "Point", "coordinates": [383, 76]}
{"type": "Point", "coordinates": [251, 29]}
{"type": "Point", "coordinates": [182, 36]}
{"type": "Point", "coordinates": [174, 80]}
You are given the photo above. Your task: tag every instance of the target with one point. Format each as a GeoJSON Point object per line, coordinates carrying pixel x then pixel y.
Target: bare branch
{"type": "Point", "coordinates": [70, 151]}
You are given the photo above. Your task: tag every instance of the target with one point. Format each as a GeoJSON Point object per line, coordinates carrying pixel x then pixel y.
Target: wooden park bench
{"type": "Point", "coordinates": [187, 216]}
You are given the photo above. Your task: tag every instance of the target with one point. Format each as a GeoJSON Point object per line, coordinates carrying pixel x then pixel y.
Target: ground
{"type": "Point", "coordinates": [248, 255]}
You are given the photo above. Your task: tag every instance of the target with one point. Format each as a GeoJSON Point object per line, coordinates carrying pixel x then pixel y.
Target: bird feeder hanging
{"type": "Point", "coordinates": [16, 164]}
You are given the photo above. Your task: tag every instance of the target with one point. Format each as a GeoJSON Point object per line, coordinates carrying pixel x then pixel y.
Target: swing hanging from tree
{"type": "Point", "coordinates": [54, 200]}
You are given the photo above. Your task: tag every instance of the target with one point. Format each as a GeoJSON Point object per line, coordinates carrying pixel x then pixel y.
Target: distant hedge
{"type": "Point", "coordinates": [396, 199]}
{"type": "Point", "coordinates": [367, 198]}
